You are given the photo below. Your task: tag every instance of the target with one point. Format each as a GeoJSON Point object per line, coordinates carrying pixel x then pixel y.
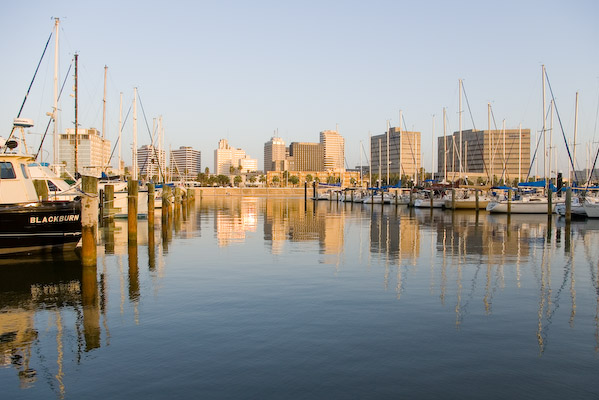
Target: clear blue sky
{"type": "Point", "coordinates": [240, 70]}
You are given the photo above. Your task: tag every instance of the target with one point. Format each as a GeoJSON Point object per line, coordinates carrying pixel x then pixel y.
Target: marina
{"type": "Point", "coordinates": [265, 297]}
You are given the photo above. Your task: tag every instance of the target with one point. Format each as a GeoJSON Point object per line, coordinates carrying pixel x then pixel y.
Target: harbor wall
{"type": "Point", "coordinates": [253, 191]}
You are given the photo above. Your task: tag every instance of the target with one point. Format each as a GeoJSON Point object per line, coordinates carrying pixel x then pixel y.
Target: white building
{"type": "Point", "coordinates": [151, 162]}
{"type": "Point", "coordinates": [185, 163]}
{"type": "Point", "coordinates": [226, 157]}
{"type": "Point", "coordinates": [93, 152]}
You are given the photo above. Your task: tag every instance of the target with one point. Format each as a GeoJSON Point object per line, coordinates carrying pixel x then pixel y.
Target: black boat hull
{"type": "Point", "coordinates": [44, 226]}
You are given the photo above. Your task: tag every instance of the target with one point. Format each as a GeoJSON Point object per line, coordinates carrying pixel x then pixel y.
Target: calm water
{"type": "Point", "coordinates": [262, 298]}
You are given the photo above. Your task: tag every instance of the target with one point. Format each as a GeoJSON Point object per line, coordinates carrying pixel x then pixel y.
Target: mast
{"type": "Point", "coordinates": [76, 122]}
{"type": "Point", "coordinates": [120, 131]}
{"type": "Point", "coordinates": [444, 146]}
{"type": "Point", "coordinates": [460, 119]}
{"type": "Point", "coordinates": [520, 152]}
{"type": "Point", "coordinates": [134, 158]}
{"type": "Point", "coordinates": [361, 168]}
{"type": "Point", "coordinates": [491, 152]}
{"type": "Point", "coordinates": [551, 141]}
{"type": "Point", "coordinates": [55, 113]}
{"type": "Point", "coordinates": [544, 129]}
{"type": "Point", "coordinates": [400, 143]}
{"type": "Point", "coordinates": [388, 152]}
{"type": "Point", "coordinates": [433, 150]}
{"type": "Point", "coordinates": [380, 162]}
{"type": "Point", "coordinates": [104, 119]}
{"type": "Point", "coordinates": [370, 161]}
{"type": "Point", "coordinates": [504, 159]}
{"type": "Point", "coordinates": [574, 145]}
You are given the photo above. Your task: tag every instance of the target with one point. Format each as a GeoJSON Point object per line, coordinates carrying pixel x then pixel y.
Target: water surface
{"type": "Point", "coordinates": [275, 298]}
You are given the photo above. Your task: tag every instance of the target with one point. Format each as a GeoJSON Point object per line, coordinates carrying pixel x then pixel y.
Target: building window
{"type": "Point", "coordinates": [7, 171]}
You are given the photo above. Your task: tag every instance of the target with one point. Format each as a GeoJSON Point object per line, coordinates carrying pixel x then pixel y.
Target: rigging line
{"type": "Point", "coordinates": [117, 141]}
{"type": "Point", "coordinates": [560, 124]}
{"type": "Point", "coordinates": [29, 89]}
{"type": "Point", "coordinates": [54, 117]}
{"type": "Point", "coordinates": [151, 138]}
{"type": "Point", "coordinates": [534, 156]}
{"type": "Point", "coordinates": [477, 138]}
{"type": "Point", "coordinates": [410, 143]}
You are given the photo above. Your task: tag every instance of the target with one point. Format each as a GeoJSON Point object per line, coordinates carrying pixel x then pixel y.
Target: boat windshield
{"type": "Point", "coordinates": [6, 170]}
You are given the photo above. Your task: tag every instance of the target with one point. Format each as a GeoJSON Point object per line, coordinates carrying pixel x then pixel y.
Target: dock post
{"type": "Point", "coordinates": [432, 200]}
{"type": "Point", "coordinates": [476, 199]}
{"type": "Point", "coordinates": [166, 203]}
{"type": "Point", "coordinates": [509, 201]}
{"type": "Point", "coordinates": [411, 198]}
{"type": "Point", "coordinates": [108, 204]}
{"type": "Point", "coordinates": [89, 220]}
{"type": "Point", "coordinates": [305, 191]}
{"type": "Point", "coordinates": [150, 208]}
{"type": "Point", "coordinates": [132, 202]}
{"type": "Point", "coordinates": [549, 201]}
{"type": "Point", "coordinates": [568, 204]}
{"type": "Point", "coordinates": [314, 190]}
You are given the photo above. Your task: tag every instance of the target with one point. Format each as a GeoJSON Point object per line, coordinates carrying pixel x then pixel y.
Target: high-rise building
{"type": "Point", "coordinates": [333, 145]}
{"type": "Point", "coordinates": [306, 157]}
{"type": "Point", "coordinates": [403, 155]}
{"type": "Point", "coordinates": [274, 152]}
{"type": "Point", "coordinates": [226, 157]}
{"type": "Point", "coordinates": [502, 154]}
{"type": "Point", "coordinates": [151, 162]}
{"type": "Point", "coordinates": [93, 151]}
{"type": "Point", "coordinates": [185, 163]}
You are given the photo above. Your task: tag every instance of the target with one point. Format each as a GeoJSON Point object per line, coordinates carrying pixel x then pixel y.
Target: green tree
{"type": "Point", "coordinates": [294, 180]}
{"type": "Point", "coordinates": [223, 180]}
{"type": "Point", "coordinates": [309, 178]}
{"type": "Point", "coordinates": [253, 179]}
{"type": "Point", "coordinates": [237, 180]}
{"type": "Point", "coordinates": [275, 180]}
{"type": "Point", "coordinates": [232, 170]}
{"type": "Point", "coordinates": [330, 179]}
{"type": "Point", "coordinates": [317, 179]}
{"type": "Point", "coordinates": [353, 181]}
{"type": "Point", "coordinates": [207, 171]}
{"type": "Point", "coordinates": [262, 179]}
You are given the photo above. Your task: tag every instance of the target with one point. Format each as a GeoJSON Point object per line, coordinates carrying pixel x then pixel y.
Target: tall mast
{"type": "Point", "coordinates": [433, 150]}
{"type": "Point", "coordinates": [76, 122]}
{"type": "Point", "coordinates": [55, 111]}
{"type": "Point", "coordinates": [380, 162]}
{"type": "Point", "coordinates": [574, 144]}
{"type": "Point", "coordinates": [120, 131]}
{"type": "Point", "coordinates": [444, 146]}
{"type": "Point", "coordinates": [491, 150]}
{"type": "Point", "coordinates": [520, 153]}
{"type": "Point", "coordinates": [388, 152]}
{"type": "Point", "coordinates": [504, 159]}
{"type": "Point", "coordinates": [104, 119]}
{"type": "Point", "coordinates": [544, 127]}
{"type": "Point", "coordinates": [370, 161]}
{"type": "Point", "coordinates": [400, 143]}
{"type": "Point", "coordinates": [460, 119]}
{"type": "Point", "coordinates": [551, 140]}
{"type": "Point", "coordinates": [360, 150]}
{"type": "Point", "coordinates": [134, 158]}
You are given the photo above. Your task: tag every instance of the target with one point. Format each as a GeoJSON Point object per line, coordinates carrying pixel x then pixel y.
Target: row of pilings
{"type": "Point", "coordinates": [98, 207]}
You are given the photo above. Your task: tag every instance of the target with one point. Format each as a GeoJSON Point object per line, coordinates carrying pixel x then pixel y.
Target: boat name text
{"type": "Point", "coordinates": [54, 218]}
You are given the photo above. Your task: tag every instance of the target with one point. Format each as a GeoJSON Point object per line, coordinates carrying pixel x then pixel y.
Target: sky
{"type": "Point", "coordinates": [242, 70]}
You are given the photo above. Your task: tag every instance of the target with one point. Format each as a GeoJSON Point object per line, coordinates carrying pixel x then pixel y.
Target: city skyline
{"type": "Point", "coordinates": [377, 59]}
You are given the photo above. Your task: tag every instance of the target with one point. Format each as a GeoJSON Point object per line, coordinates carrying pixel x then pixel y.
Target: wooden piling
{"type": "Point", "coordinates": [132, 191]}
{"type": "Point", "coordinates": [476, 200]}
{"type": "Point", "coordinates": [549, 201]}
{"type": "Point", "coordinates": [509, 201]}
{"type": "Point", "coordinates": [411, 198]}
{"type": "Point", "coordinates": [568, 204]}
{"type": "Point", "coordinates": [432, 200]}
{"type": "Point", "coordinates": [108, 205]}
{"type": "Point", "coordinates": [89, 220]}
{"type": "Point", "coordinates": [150, 208]}
{"type": "Point", "coordinates": [166, 203]}
{"type": "Point", "coordinates": [314, 190]}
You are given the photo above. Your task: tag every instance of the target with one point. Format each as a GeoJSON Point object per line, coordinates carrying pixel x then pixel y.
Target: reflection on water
{"type": "Point", "coordinates": [530, 277]}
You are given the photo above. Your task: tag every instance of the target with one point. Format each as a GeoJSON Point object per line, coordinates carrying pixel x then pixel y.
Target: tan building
{"type": "Point", "coordinates": [306, 157]}
{"type": "Point", "coordinates": [333, 145]}
{"type": "Point", "coordinates": [93, 151]}
{"type": "Point", "coordinates": [274, 153]}
{"type": "Point", "coordinates": [505, 155]}
{"type": "Point", "coordinates": [404, 156]}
